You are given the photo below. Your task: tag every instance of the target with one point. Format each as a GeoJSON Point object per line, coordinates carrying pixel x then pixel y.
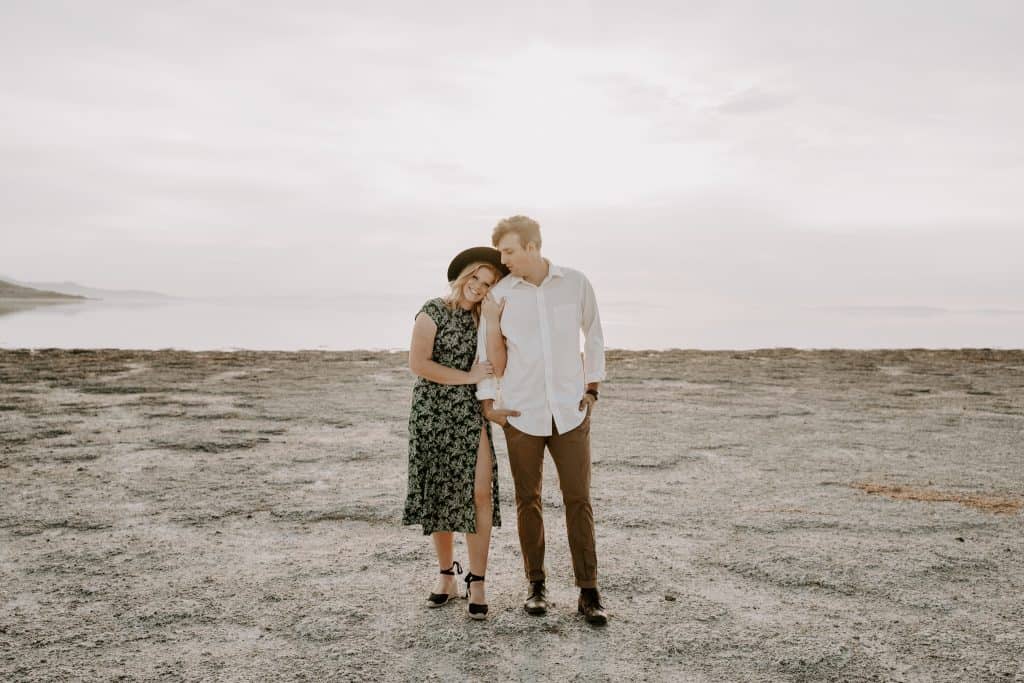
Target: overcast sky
{"type": "Point", "coordinates": [846, 153]}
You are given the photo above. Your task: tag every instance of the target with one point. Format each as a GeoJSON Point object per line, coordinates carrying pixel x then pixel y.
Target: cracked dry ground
{"type": "Point", "coordinates": [778, 515]}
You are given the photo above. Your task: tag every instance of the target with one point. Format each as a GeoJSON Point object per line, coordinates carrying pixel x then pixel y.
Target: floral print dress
{"type": "Point", "coordinates": [444, 433]}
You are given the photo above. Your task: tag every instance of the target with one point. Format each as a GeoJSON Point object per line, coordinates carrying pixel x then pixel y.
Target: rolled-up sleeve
{"type": "Point", "coordinates": [485, 389]}
{"type": "Point", "coordinates": [593, 346]}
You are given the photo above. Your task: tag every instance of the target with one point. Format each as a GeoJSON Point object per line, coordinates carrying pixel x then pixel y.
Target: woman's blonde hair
{"type": "Point", "coordinates": [454, 298]}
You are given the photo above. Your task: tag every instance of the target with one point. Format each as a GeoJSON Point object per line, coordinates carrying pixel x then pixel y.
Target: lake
{"type": "Point", "coordinates": [344, 323]}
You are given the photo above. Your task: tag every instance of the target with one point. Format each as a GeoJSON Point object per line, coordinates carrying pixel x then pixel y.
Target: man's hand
{"type": "Point", "coordinates": [589, 397]}
{"type": "Point", "coordinates": [587, 402]}
{"type": "Point", "coordinates": [499, 415]}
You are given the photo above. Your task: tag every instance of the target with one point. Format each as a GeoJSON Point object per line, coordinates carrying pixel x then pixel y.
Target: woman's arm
{"type": "Point", "coordinates": [421, 350]}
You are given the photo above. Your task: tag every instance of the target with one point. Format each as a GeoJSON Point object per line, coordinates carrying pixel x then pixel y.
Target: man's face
{"type": "Point", "coordinates": [515, 257]}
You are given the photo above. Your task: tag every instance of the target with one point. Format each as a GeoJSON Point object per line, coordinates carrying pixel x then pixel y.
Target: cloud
{"type": "Point", "coordinates": [755, 101]}
{"type": "Point", "coordinates": [447, 173]}
{"type": "Point", "coordinates": [399, 131]}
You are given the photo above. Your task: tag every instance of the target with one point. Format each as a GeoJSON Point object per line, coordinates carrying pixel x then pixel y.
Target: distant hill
{"type": "Point", "coordinates": [80, 291]}
{"type": "Point", "coordinates": [9, 290]}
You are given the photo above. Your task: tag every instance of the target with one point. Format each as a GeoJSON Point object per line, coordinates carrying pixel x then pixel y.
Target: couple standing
{"type": "Point", "coordinates": [520, 317]}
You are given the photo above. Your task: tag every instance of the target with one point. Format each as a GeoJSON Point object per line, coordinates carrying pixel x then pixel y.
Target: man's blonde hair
{"type": "Point", "coordinates": [527, 229]}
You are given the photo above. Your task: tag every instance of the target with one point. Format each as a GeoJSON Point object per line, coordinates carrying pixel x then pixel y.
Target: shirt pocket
{"type": "Point", "coordinates": [565, 317]}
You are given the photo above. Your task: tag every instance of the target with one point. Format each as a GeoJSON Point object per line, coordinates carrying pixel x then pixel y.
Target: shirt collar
{"type": "Point", "coordinates": [553, 272]}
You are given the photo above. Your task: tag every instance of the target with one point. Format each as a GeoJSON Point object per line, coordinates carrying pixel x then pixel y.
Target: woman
{"type": "Point", "coordinates": [453, 476]}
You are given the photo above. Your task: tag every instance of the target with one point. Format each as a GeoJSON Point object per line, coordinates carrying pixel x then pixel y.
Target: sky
{"type": "Point", "coordinates": [699, 154]}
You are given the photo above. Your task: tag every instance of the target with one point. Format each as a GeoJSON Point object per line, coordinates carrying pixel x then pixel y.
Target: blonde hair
{"type": "Point", "coordinates": [454, 298]}
{"type": "Point", "coordinates": [527, 229]}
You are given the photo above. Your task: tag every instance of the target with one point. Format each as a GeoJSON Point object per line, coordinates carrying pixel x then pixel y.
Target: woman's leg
{"type": "Point", "coordinates": [479, 543]}
{"type": "Point", "coordinates": [444, 546]}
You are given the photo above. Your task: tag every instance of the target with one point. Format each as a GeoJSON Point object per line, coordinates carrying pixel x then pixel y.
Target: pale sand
{"type": "Point", "coordinates": [763, 516]}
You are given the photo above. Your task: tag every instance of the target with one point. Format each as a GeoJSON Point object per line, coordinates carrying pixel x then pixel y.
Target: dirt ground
{"type": "Point", "coordinates": [761, 516]}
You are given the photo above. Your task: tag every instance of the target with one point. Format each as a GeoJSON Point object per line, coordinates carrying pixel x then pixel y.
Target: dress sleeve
{"type": "Point", "coordinates": [435, 310]}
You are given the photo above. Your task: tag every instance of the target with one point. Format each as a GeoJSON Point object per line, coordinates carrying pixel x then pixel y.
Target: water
{"type": "Point", "coordinates": [344, 323]}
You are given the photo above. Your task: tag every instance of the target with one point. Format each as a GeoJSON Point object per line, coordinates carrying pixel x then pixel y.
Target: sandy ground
{"type": "Point", "coordinates": [763, 516]}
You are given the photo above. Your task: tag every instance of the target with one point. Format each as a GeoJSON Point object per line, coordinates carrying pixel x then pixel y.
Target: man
{"type": "Point", "coordinates": [547, 394]}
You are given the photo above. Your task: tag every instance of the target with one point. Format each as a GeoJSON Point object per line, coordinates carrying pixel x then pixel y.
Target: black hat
{"type": "Point", "coordinates": [473, 255]}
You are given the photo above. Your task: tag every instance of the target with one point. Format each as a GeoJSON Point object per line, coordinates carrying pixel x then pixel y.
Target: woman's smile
{"type": "Point", "coordinates": [478, 285]}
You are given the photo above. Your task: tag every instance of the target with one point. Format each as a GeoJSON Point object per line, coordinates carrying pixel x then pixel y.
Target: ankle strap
{"type": "Point", "coordinates": [449, 571]}
{"type": "Point", "coordinates": [471, 577]}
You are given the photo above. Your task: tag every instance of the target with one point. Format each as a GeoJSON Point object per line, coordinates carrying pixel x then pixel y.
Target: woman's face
{"type": "Point", "coordinates": [477, 286]}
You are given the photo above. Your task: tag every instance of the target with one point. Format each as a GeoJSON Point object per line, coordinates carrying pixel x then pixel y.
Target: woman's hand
{"type": "Point", "coordinates": [480, 371]}
{"type": "Point", "coordinates": [491, 309]}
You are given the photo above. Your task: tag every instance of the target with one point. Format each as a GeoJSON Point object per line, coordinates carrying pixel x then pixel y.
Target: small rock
{"type": "Point", "coordinates": [960, 538]}
{"type": "Point", "coordinates": [670, 597]}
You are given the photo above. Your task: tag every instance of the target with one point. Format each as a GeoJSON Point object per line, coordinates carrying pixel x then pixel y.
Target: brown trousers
{"type": "Point", "coordinates": [571, 453]}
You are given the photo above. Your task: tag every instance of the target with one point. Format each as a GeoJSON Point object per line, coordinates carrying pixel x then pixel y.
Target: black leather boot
{"type": "Point", "coordinates": [537, 602]}
{"type": "Point", "coordinates": [590, 607]}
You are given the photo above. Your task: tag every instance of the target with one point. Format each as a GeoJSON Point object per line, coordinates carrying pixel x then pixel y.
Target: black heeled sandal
{"type": "Point", "coordinates": [438, 599]}
{"type": "Point", "coordinates": [476, 611]}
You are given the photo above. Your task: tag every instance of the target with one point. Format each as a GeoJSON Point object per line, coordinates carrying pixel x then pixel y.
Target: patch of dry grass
{"type": "Point", "coordinates": [994, 504]}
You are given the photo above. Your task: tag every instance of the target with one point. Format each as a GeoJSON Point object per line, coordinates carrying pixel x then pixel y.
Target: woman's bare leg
{"type": "Point", "coordinates": [479, 544]}
{"type": "Point", "coordinates": [444, 546]}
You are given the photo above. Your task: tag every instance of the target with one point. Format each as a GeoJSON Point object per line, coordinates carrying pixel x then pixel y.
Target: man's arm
{"type": "Point", "coordinates": [496, 349]}
{"type": "Point", "coordinates": [499, 415]}
{"type": "Point", "coordinates": [490, 328]}
{"type": "Point", "coordinates": [487, 389]}
{"type": "Point", "coordinates": [593, 345]}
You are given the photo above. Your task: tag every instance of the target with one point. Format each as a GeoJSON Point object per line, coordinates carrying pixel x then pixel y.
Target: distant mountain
{"type": "Point", "coordinates": [9, 290]}
{"type": "Point", "coordinates": [76, 290]}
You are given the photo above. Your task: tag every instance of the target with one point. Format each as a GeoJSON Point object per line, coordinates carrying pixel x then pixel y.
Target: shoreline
{"type": "Point", "coordinates": [391, 351]}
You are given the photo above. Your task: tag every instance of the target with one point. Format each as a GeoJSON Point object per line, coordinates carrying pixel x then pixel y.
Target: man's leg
{"type": "Point", "coordinates": [526, 460]}
{"type": "Point", "coordinates": [571, 453]}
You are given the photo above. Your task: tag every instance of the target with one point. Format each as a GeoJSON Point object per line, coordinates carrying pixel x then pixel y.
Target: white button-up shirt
{"type": "Point", "coordinates": [546, 376]}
